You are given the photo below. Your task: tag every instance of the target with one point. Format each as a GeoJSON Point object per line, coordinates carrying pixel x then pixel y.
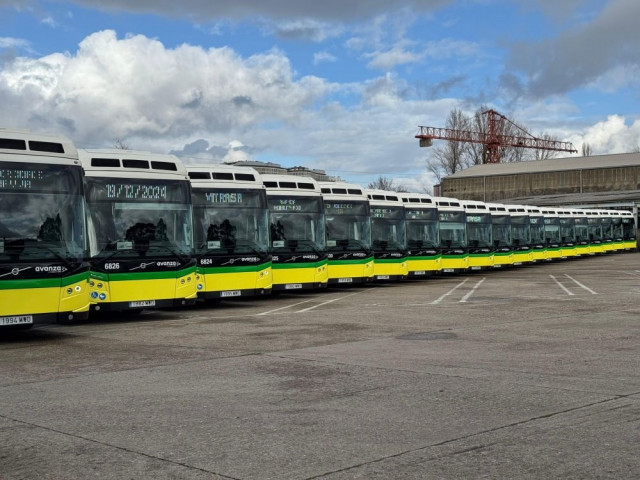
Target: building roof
{"type": "Point", "coordinates": [551, 165]}
{"type": "Point", "coordinates": [627, 197]}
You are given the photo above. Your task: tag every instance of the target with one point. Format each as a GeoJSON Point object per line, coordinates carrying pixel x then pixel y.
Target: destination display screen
{"type": "Point", "coordinates": [535, 220]}
{"type": "Point", "coordinates": [500, 219]}
{"type": "Point", "coordinates": [520, 220]}
{"type": "Point", "coordinates": [134, 190]}
{"type": "Point", "coordinates": [40, 178]}
{"type": "Point", "coordinates": [243, 198]}
{"type": "Point", "coordinates": [452, 216]}
{"type": "Point", "coordinates": [346, 208]}
{"type": "Point", "coordinates": [551, 221]}
{"type": "Point", "coordinates": [421, 214]}
{"type": "Point", "coordinates": [392, 213]}
{"type": "Point", "coordinates": [282, 204]}
{"type": "Point", "coordinates": [479, 218]}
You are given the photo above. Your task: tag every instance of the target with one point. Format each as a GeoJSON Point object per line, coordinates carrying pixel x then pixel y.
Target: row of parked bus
{"type": "Point", "coordinates": [118, 230]}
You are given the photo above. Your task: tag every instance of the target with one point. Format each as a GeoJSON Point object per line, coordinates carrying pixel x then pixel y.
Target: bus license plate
{"type": "Point", "coordinates": [383, 277]}
{"type": "Point", "coordinates": [293, 286]}
{"type": "Point", "coordinates": [231, 293]}
{"type": "Point", "coordinates": [345, 280]}
{"type": "Point", "coordinates": [142, 303]}
{"type": "Point", "coordinates": [476, 268]}
{"type": "Point", "coordinates": [448, 270]}
{"type": "Point", "coordinates": [420, 272]}
{"type": "Point", "coordinates": [17, 320]}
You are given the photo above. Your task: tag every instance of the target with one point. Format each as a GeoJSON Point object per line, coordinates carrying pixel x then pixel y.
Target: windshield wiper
{"type": "Point", "coordinates": [184, 258]}
{"type": "Point", "coordinates": [310, 244]}
{"type": "Point", "coordinates": [254, 247]}
{"type": "Point", "coordinates": [18, 246]}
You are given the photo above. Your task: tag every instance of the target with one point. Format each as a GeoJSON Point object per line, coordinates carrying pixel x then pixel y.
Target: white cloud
{"type": "Point", "coordinates": [613, 135]}
{"type": "Point", "coordinates": [322, 57]}
{"type": "Point", "coordinates": [10, 42]}
{"type": "Point", "coordinates": [135, 87]}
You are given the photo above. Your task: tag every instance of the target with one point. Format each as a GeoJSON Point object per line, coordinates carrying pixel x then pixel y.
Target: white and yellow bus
{"type": "Point", "coordinates": [297, 233]}
{"type": "Point", "coordinates": [538, 235]}
{"type": "Point", "coordinates": [348, 227]}
{"type": "Point", "coordinates": [43, 271]}
{"type": "Point", "coordinates": [553, 244]}
{"type": "Point", "coordinates": [479, 234]}
{"type": "Point", "coordinates": [423, 235]}
{"type": "Point", "coordinates": [501, 234]}
{"type": "Point", "coordinates": [388, 235]}
{"type": "Point", "coordinates": [453, 235]}
{"type": "Point", "coordinates": [140, 230]}
{"type": "Point", "coordinates": [231, 232]}
{"type": "Point", "coordinates": [568, 247]}
{"type": "Point", "coordinates": [520, 234]}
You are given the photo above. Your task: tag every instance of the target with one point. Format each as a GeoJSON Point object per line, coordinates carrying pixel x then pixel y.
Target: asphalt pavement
{"type": "Point", "coordinates": [530, 372]}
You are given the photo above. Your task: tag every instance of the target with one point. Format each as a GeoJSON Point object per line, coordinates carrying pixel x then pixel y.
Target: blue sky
{"type": "Point", "coordinates": [340, 86]}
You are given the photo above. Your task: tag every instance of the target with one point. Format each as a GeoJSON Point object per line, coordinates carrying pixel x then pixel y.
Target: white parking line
{"type": "Point", "coordinates": [466, 297]}
{"type": "Point", "coordinates": [580, 284]}
{"type": "Point", "coordinates": [442, 297]}
{"type": "Point", "coordinates": [329, 301]}
{"type": "Point", "coordinates": [285, 307]}
{"type": "Point", "coordinates": [568, 292]}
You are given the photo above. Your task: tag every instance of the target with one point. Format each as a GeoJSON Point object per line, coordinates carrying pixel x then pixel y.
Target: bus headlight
{"type": "Point", "coordinates": [200, 287]}
{"type": "Point", "coordinates": [103, 296]}
{"type": "Point", "coordinates": [69, 291]}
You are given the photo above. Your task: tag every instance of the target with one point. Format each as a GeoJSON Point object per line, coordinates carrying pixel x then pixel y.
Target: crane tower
{"type": "Point", "coordinates": [493, 140]}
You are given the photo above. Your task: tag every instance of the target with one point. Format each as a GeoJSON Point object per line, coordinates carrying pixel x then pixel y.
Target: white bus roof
{"type": "Point", "coordinates": [276, 184]}
{"type": "Point", "coordinates": [224, 176]}
{"type": "Point", "coordinates": [342, 191]}
{"type": "Point", "coordinates": [417, 200]}
{"type": "Point", "coordinates": [25, 142]}
{"type": "Point", "coordinates": [131, 164]}
{"type": "Point", "coordinates": [383, 197]}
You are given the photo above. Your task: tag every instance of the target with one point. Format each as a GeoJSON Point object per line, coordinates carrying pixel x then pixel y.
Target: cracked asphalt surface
{"type": "Point", "coordinates": [521, 373]}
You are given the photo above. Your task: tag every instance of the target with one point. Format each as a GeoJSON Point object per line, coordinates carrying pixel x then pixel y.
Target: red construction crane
{"type": "Point", "coordinates": [492, 138]}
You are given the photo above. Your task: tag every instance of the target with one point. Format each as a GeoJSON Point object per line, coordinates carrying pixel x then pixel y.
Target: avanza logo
{"type": "Point", "coordinates": [51, 269]}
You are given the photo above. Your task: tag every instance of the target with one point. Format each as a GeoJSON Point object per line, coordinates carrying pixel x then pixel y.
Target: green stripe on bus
{"type": "Point", "coordinates": [118, 277]}
{"type": "Point", "coordinates": [355, 261]}
{"type": "Point", "coordinates": [390, 260]}
{"type": "Point", "coordinates": [284, 266]}
{"type": "Point", "coordinates": [238, 269]}
{"type": "Point", "coordinates": [43, 282]}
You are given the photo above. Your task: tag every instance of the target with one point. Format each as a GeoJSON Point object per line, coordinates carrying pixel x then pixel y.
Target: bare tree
{"type": "Point", "coordinates": [452, 156]}
{"type": "Point", "coordinates": [120, 144]}
{"type": "Point", "coordinates": [539, 154]}
{"type": "Point", "coordinates": [386, 183]}
{"type": "Point", "coordinates": [636, 149]}
{"type": "Point", "coordinates": [586, 149]}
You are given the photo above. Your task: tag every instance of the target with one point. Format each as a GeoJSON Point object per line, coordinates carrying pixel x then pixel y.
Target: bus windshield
{"type": "Point", "coordinates": [582, 230]}
{"type": "Point", "coordinates": [41, 213]}
{"type": "Point", "coordinates": [501, 230]}
{"type": "Point", "coordinates": [422, 228]}
{"type": "Point", "coordinates": [297, 223]}
{"type": "Point", "coordinates": [479, 229]}
{"type": "Point", "coordinates": [552, 230]}
{"type": "Point", "coordinates": [230, 221]}
{"type": "Point", "coordinates": [388, 228]}
{"type": "Point", "coordinates": [453, 229]}
{"type": "Point", "coordinates": [537, 231]}
{"type": "Point", "coordinates": [348, 225]}
{"type": "Point", "coordinates": [567, 230]}
{"type": "Point", "coordinates": [139, 217]}
{"type": "Point", "coordinates": [521, 230]}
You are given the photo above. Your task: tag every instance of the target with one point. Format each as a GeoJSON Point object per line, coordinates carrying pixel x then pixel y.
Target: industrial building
{"type": "Point", "coordinates": [611, 181]}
